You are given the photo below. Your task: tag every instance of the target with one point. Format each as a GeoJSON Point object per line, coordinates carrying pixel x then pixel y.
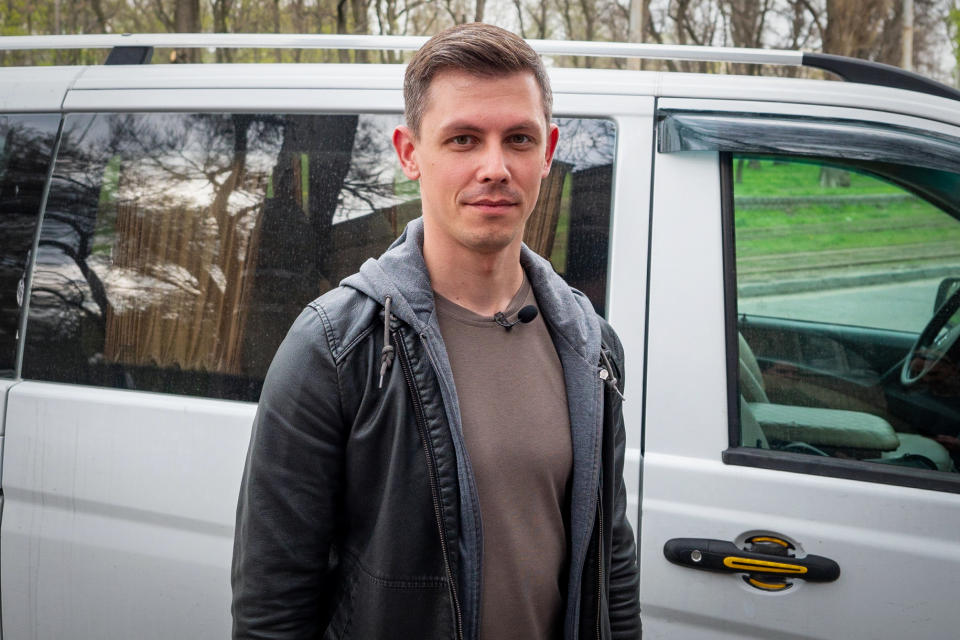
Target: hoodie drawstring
{"type": "Point", "coordinates": [606, 374]}
{"type": "Point", "coordinates": [386, 354]}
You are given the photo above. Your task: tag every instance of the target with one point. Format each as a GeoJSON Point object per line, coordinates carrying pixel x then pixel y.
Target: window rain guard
{"type": "Point", "coordinates": [846, 139]}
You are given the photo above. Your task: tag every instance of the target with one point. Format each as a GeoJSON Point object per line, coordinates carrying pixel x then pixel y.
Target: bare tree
{"type": "Point", "coordinates": [186, 19]}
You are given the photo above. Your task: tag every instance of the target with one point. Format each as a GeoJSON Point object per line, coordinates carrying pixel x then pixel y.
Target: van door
{"type": "Point", "coordinates": [176, 249]}
{"type": "Point", "coordinates": [802, 406]}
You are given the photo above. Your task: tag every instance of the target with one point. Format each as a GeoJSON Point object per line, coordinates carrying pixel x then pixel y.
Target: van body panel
{"type": "Point", "coordinates": [5, 386]}
{"type": "Point", "coordinates": [241, 76]}
{"type": "Point", "coordinates": [810, 92]}
{"type": "Point", "coordinates": [119, 512]}
{"type": "Point", "coordinates": [27, 89]}
{"type": "Point", "coordinates": [569, 81]}
{"type": "Point", "coordinates": [235, 100]}
{"type": "Point", "coordinates": [626, 293]}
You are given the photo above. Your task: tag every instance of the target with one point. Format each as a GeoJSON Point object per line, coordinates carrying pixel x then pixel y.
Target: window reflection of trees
{"type": "Point", "coordinates": [26, 142]}
{"type": "Point", "coordinates": [189, 242]}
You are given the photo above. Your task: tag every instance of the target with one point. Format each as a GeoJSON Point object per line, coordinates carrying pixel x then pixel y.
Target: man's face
{"type": "Point", "coordinates": [484, 146]}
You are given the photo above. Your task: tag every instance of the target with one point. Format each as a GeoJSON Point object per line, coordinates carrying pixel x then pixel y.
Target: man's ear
{"type": "Point", "coordinates": [553, 134]}
{"type": "Point", "coordinates": [405, 143]}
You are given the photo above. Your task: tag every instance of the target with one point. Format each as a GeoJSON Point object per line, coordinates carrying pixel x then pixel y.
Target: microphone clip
{"type": "Point", "coordinates": [525, 315]}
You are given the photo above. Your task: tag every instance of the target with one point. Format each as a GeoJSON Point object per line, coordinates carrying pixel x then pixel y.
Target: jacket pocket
{"type": "Point", "coordinates": [401, 609]}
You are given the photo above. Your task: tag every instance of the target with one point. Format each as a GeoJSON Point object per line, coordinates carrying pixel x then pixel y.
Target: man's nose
{"type": "Point", "coordinates": [493, 167]}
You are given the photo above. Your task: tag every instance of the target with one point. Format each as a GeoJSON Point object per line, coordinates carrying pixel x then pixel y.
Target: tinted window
{"type": "Point", "coordinates": [178, 248]}
{"type": "Point", "coordinates": [847, 311]}
{"type": "Point", "coordinates": [26, 143]}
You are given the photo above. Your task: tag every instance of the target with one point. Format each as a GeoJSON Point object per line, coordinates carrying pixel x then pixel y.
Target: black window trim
{"type": "Point", "coordinates": [782, 460]}
{"type": "Point", "coordinates": [35, 243]}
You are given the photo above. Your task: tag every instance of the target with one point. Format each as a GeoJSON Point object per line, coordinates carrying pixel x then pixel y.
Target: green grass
{"type": "Point", "coordinates": [844, 215]}
{"type": "Point", "coordinates": [768, 178]}
{"type": "Point", "coordinates": [831, 241]}
{"type": "Point", "coordinates": [798, 228]}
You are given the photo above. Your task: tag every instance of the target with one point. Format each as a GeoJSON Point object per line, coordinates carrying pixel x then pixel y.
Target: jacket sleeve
{"type": "Point", "coordinates": [287, 507]}
{"type": "Point", "coordinates": [624, 599]}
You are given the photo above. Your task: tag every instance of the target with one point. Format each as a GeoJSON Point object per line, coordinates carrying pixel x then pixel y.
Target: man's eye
{"type": "Point", "coordinates": [461, 140]}
{"type": "Point", "coordinates": [520, 138]}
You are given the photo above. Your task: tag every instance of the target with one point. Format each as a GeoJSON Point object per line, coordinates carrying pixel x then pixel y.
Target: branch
{"type": "Point", "coordinates": [164, 17]}
{"type": "Point", "coordinates": [519, 7]}
{"type": "Point", "coordinates": [816, 18]}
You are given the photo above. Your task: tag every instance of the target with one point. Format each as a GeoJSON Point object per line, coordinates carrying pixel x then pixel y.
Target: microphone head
{"type": "Point", "coordinates": [527, 314]}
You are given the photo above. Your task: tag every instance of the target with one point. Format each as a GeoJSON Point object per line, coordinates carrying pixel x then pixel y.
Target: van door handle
{"type": "Point", "coordinates": [726, 557]}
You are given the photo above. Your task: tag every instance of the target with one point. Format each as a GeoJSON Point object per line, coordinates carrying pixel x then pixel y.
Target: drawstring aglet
{"type": "Point", "coordinates": [386, 359]}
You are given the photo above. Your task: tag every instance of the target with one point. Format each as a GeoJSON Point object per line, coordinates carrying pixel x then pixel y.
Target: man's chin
{"type": "Point", "coordinates": [490, 242]}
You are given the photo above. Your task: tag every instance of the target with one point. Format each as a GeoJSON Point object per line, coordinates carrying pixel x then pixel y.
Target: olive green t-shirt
{"type": "Point", "coordinates": [513, 404]}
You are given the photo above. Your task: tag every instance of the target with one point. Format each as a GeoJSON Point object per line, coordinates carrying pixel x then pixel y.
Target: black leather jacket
{"type": "Point", "coordinates": [355, 516]}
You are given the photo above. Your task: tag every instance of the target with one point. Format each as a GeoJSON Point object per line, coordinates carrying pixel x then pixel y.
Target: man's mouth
{"type": "Point", "coordinates": [493, 203]}
{"type": "Point", "coordinates": [492, 200]}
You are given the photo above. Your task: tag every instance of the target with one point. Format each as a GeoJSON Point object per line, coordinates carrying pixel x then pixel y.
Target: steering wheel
{"type": "Point", "coordinates": [934, 342]}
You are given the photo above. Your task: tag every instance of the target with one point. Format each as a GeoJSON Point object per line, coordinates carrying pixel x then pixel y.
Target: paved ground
{"type": "Point", "coordinates": [905, 306]}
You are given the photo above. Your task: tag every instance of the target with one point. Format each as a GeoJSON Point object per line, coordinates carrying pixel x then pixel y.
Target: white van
{"type": "Point", "coordinates": [781, 258]}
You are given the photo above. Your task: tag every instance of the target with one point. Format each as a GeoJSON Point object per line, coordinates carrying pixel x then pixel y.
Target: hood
{"type": "Point", "coordinates": [401, 274]}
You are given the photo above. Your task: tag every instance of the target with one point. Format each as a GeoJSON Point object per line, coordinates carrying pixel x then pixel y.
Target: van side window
{"type": "Point", "coordinates": [177, 249]}
{"type": "Point", "coordinates": [848, 317]}
{"type": "Point", "coordinates": [26, 144]}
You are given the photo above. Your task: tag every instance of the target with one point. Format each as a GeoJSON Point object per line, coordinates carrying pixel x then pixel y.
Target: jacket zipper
{"type": "Point", "coordinates": [599, 562]}
{"type": "Point", "coordinates": [431, 473]}
{"type": "Point", "coordinates": [609, 380]}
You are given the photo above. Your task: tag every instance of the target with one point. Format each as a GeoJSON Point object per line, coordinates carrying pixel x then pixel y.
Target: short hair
{"type": "Point", "coordinates": [478, 49]}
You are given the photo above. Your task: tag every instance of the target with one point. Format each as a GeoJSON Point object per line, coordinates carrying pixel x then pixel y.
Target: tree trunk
{"type": "Point", "coordinates": [221, 9]}
{"type": "Point", "coordinates": [343, 55]}
{"type": "Point", "coordinates": [831, 177]}
{"type": "Point", "coordinates": [360, 24]}
{"type": "Point", "coordinates": [186, 19]}
{"type": "Point", "coordinates": [480, 8]}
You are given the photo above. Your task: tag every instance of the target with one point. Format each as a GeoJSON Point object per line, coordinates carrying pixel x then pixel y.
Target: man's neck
{"type": "Point", "coordinates": [482, 283]}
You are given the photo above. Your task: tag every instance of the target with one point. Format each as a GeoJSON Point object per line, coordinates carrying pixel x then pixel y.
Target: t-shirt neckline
{"type": "Point", "coordinates": [452, 310]}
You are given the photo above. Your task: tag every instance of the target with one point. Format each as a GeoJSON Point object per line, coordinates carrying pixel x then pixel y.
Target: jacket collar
{"type": "Point", "coordinates": [401, 273]}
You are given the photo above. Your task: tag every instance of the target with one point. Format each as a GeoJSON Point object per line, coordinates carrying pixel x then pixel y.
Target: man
{"type": "Point", "coordinates": [425, 464]}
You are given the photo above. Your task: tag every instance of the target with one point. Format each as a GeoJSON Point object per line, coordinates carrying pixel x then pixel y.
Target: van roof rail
{"type": "Point", "coordinates": [136, 48]}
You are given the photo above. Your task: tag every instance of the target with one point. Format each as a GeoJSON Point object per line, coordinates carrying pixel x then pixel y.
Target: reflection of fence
{"type": "Point", "coordinates": [184, 285]}
{"type": "Point", "coordinates": [541, 230]}
{"type": "Point", "coordinates": [353, 241]}
{"type": "Point", "coordinates": [178, 288]}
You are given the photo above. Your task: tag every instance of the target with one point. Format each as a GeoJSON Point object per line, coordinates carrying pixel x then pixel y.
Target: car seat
{"type": "Point", "coordinates": [859, 434]}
